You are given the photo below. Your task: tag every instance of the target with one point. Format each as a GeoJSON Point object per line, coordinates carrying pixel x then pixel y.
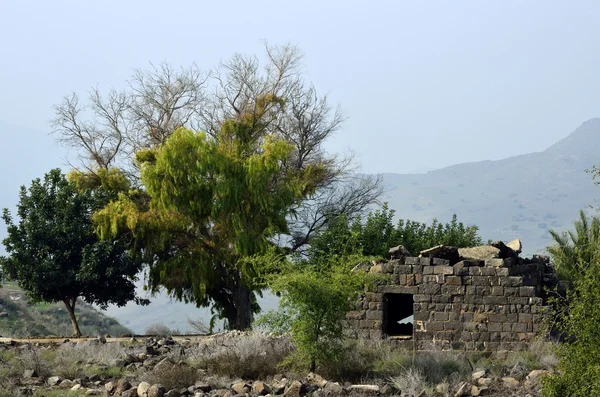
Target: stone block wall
{"type": "Point", "coordinates": [490, 304]}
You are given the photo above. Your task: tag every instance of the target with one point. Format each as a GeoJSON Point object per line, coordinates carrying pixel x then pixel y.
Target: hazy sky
{"type": "Point", "coordinates": [425, 84]}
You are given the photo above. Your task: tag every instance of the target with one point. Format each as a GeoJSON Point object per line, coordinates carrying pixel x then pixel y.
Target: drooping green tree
{"type": "Point", "coordinates": [54, 253]}
{"type": "Point", "coordinates": [211, 204]}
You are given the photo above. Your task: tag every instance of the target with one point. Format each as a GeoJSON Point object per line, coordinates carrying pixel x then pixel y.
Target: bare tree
{"type": "Point", "coordinates": [108, 131]}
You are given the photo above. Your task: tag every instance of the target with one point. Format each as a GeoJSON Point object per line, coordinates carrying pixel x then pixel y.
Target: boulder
{"type": "Point", "coordinates": [478, 375]}
{"type": "Point", "coordinates": [364, 389]}
{"type": "Point", "coordinates": [443, 252]}
{"type": "Point", "coordinates": [122, 385]}
{"type": "Point", "coordinates": [464, 389]}
{"type": "Point", "coordinates": [295, 389]}
{"type": "Point", "coordinates": [261, 388]}
{"type": "Point", "coordinates": [157, 390]}
{"type": "Point", "coordinates": [315, 380]}
{"type": "Point", "coordinates": [333, 389]}
{"type": "Point", "coordinates": [398, 252]}
{"type": "Point", "coordinates": [505, 251]}
{"type": "Point", "coordinates": [480, 253]}
{"type": "Point", "coordinates": [376, 269]}
{"type": "Point", "coordinates": [515, 245]}
{"type": "Point", "coordinates": [510, 382]}
{"type": "Point", "coordinates": [30, 373]}
{"type": "Point", "coordinates": [54, 380]}
{"type": "Point", "coordinates": [142, 389]}
{"type": "Point", "coordinates": [240, 388]}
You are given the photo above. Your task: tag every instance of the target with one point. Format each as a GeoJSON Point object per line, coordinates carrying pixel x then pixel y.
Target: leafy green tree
{"type": "Point", "coordinates": [314, 301]}
{"type": "Point", "coordinates": [573, 251]}
{"type": "Point", "coordinates": [377, 234]}
{"type": "Point", "coordinates": [577, 316]}
{"type": "Point", "coordinates": [54, 253]}
{"type": "Point", "coordinates": [212, 204]}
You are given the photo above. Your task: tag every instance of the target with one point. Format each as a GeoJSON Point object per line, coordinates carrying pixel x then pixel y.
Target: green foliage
{"type": "Point", "coordinates": [210, 203]}
{"type": "Point", "coordinates": [315, 298]}
{"type": "Point", "coordinates": [577, 314]}
{"type": "Point", "coordinates": [54, 254]}
{"type": "Point", "coordinates": [377, 234]}
{"type": "Point", "coordinates": [574, 251]}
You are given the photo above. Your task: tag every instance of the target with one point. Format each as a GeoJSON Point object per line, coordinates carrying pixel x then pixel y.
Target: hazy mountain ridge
{"type": "Point", "coordinates": [521, 196]}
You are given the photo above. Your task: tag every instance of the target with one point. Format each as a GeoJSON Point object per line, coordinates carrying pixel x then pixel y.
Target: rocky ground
{"type": "Point", "coordinates": [163, 367]}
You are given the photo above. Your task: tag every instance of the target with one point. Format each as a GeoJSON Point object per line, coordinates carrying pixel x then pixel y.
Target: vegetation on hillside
{"type": "Point", "coordinates": [54, 254]}
{"type": "Point", "coordinates": [21, 318]}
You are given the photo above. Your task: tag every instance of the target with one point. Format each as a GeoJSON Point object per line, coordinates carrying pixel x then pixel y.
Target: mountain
{"type": "Point", "coordinates": [522, 196]}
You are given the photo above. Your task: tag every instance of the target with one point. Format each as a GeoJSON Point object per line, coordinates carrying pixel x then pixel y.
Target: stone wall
{"type": "Point", "coordinates": [482, 298]}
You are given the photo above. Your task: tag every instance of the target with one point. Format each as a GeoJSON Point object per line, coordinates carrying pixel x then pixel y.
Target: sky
{"type": "Point", "coordinates": [424, 84]}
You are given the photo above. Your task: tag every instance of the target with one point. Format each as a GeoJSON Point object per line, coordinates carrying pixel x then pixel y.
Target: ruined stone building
{"type": "Point", "coordinates": [481, 298]}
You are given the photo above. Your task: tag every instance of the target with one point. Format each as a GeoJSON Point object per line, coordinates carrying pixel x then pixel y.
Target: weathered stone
{"type": "Point", "coordinates": [505, 251]}
{"type": "Point", "coordinates": [515, 245]}
{"type": "Point", "coordinates": [376, 269]}
{"type": "Point", "coordinates": [364, 389]}
{"type": "Point", "coordinates": [173, 393]}
{"type": "Point", "coordinates": [54, 380]}
{"type": "Point", "coordinates": [315, 380]}
{"type": "Point", "coordinates": [157, 390]}
{"type": "Point", "coordinates": [333, 389]}
{"type": "Point", "coordinates": [294, 389]}
{"type": "Point", "coordinates": [510, 382]}
{"type": "Point", "coordinates": [30, 373]}
{"type": "Point", "coordinates": [443, 252]}
{"type": "Point", "coordinates": [240, 388]}
{"type": "Point", "coordinates": [464, 389]}
{"type": "Point", "coordinates": [122, 385]}
{"type": "Point", "coordinates": [398, 252]}
{"type": "Point", "coordinates": [261, 388]}
{"type": "Point", "coordinates": [479, 253]}
{"type": "Point", "coordinates": [142, 389]}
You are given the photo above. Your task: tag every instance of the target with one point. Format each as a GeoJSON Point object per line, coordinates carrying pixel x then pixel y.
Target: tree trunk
{"type": "Point", "coordinates": [240, 317]}
{"type": "Point", "coordinates": [70, 304]}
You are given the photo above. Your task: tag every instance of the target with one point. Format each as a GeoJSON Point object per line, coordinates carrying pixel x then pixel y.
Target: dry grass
{"type": "Point", "coordinates": [249, 356]}
{"type": "Point", "coordinates": [171, 376]}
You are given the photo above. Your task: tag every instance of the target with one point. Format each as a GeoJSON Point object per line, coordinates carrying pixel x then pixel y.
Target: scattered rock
{"type": "Point", "coordinates": [294, 389]}
{"type": "Point", "coordinates": [30, 373]}
{"type": "Point", "coordinates": [515, 245]}
{"type": "Point", "coordinates": [478, 375]}
{"type": "Point", "coordinates": [364, 389]}
{"type": "Point", "coordinates": [261, 388]}
{"type": "Point", "coordinates": [399, 252]}
{"type": "Point", "coordinates": [316, 380]}
{"type": "Point", "coordinates": [54, 380]}
{"type": "Point", "coordinates": [510, 382]}
{"type": "Point", "coordinates": [480, 253]}
{"type": "Point", "coordinates": [156, 391]}
{"type": "Point", "coordinates": [240, 388]}
{"type": "Point", "coordinates": [442, 252]}
{"type": "Point", "coordinates": [464, 389]}
{"type": "Point", "coordinates": [142, 389]}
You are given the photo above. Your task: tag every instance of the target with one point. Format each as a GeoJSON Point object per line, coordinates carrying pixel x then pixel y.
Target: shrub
{"type": "Point", "coordinates": [160, 329]}
{"type": "Point", "coordinates": [171, 376]}
{"type": "Point", "coordinates": [252, 356]}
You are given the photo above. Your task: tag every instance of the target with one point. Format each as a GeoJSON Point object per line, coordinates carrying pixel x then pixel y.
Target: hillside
{"type": "Point", "coordinates": [521, 196]}
{"type": "Point", "coordinates": [19, 318]}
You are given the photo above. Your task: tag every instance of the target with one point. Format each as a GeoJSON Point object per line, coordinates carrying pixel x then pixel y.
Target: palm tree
{"type": "Point", "coordinates": [574, 251]}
